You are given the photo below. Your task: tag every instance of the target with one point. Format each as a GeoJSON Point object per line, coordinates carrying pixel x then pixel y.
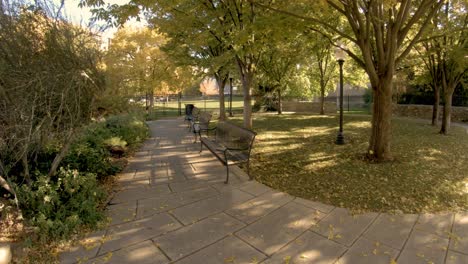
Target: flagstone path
{"type": "Point", "coordinates": [173, 207]}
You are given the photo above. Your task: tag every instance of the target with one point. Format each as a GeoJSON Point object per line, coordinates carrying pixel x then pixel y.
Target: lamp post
{"type": "Point", "coordinates": [340, 56]}
{"type": "Point", "coordinates": [230, 97]}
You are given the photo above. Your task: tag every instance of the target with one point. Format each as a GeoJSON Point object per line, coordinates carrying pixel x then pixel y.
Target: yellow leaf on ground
{"type": "Point", "coordinates": [229, 260]}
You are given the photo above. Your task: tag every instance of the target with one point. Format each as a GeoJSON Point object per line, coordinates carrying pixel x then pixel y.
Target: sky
{"type": "Point", "coordinates": [82, 16]}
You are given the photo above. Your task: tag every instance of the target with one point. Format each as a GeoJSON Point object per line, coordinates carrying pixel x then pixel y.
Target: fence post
{"type": "Point", "coordinates": [230, 97]}
{"type": "Point", "coordinates": [179, 98]}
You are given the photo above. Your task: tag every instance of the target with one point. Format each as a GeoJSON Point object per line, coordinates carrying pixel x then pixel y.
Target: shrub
{"type": "Point", "coordinates": [57, 206]}
{"type": "Point", "coordinates": [86, 157]}
{"type": "Point", "coordinates": [131, 128]}
{"type": "Point", "coordinates": [92, 150]}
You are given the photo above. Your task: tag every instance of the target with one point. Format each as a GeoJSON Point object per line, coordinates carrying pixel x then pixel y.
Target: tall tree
{"type": "Point", "coordinates": [278, 64]}
{"type": "Point", "coordinates": [451, 53]}
{"type": "Point", "coordinates": [385, 32]}
{"type": "Point", "coordinates": [198, 37]}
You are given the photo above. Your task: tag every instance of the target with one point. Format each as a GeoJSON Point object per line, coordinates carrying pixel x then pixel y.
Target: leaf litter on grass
{"type": "Point", "coordinates": [429, 173]}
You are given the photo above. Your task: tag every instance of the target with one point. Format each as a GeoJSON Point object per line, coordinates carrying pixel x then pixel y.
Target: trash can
{"type": "Point", "coordinates": [189, 109]}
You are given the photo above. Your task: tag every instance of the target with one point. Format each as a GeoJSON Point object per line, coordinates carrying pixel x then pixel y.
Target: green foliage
{"type": "Point", "coordinates": [50, 75]}
{"type": "Point", "coordinates": [58, 206]}
{"type": "Point", "coordinates": [131, 128]}
{"type": "Point", "coordinates": [90, 153]}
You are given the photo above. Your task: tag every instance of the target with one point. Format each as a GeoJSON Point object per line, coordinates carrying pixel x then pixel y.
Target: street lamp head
{"type": "Point", "coordinates": [340, 55]}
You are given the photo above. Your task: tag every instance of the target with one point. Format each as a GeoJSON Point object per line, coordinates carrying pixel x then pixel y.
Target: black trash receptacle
{"type": "Point", "coordinates": [189, 109]}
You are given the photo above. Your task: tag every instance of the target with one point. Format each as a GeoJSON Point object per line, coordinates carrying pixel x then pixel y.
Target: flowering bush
{"type": "Point", "coordinates": [57, 205]}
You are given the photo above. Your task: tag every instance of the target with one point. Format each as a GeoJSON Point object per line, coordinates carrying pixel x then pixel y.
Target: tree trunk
{"type": "Point", "coordinates": [379, 146]}
{"type": "Point", "coordinates": [146, 102]}
{"type": "Point", "coordinates": [221, 81]}
{"type": "Point", "coordinates": [151, 101]}
{"type": "Point", "coordinates": [63, 152]}
{"type": "Point", "coordinates": [322, 100]}
{"type": "Point", "coordinates": [280, 104]}
{"type": "Point", "coordinates": [446, 112]}
{"type": "Point", "coordinates": [435, 108]}
{"type": "Point", "coordinates": [247, 80]}
{"type": "Point", "coordinates": [25, 163]}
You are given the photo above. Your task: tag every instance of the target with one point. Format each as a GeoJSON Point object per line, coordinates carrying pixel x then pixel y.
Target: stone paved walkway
{"type": "Point", "coordinates": [174, 208]}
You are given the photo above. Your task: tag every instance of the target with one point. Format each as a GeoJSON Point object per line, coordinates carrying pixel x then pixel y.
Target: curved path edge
{"type": "Point", "coordinates": [173, 207]}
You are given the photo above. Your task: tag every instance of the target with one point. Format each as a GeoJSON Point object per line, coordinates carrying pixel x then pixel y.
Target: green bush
{"type": "Point", "coordinates": [87, 157]}
{"type": "Point", "coordinates": [57, 206]}
{"type": "Point", "coordinates": [130, 128]}
{"type": "Point", "coordinates": [91, 151]}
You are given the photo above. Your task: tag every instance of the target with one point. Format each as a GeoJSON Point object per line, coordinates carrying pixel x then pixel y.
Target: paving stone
{"type": "Point", "coordinates": [140, 158]}
{"type": "Point", "coordinates": [229, 250]}
{"type": "Point", "coordinates": [141, 253]}
{"type": "Point", "coordinates": [223, 187]}
{"type": "Point", "coordinates": [208, 166]}
{"type": "Point", "coordinates": [87, 248]}
{"type": "Point", "coordinates": [456, 258]}
{"type": "Point", "coordinates": [199, 210]}
{"type": "Point", "coordinates": [423, 247]}
{"type": "Point", "coordinates": [251, 210]}
{"type": "Point", "coordinates": [309, 248]}
{"type": "Point", "coordinates": [325, 208]}
{"type": "Point", "coordinates": [459, 236]}
{"type": "Point", "coordinates": [438, 224]}
{"type": "Point", "coordinates": [188, 239]}
{"type": "Point", "coordinates": [140, 193]}
{"type": "Point", "coordinates": [140, 183]}
{"type": "Point", "coordinates": [185, 169]}
{"type": "Point", "coordinates": [126, 175]}
{"type": "Point", "coordinates": [143, 165]}
{"type": "Point", "coordinates": [278, 228]}
{"type": "Point", "coordinates": [151, 206]}
{"type": "Point", "coordinates": [368, 252]}
{"type": "Point", "coordinates": [343, 227]}
{"type": "Point", "coordinates": [127, 234]}
{"type": "Point", "coordinates": [153, 172]}
{"type": "Point", "coordinates": [121, 213]}
{"type": "Point", "coordinates": [167, 174]}
{"type": "Point", "coordinates": [205, 177]}
{"type": "Point", "coordinates": [392, 230]}
{"type": "Point", "coordinates": [240, 172]}
{"type": "Point", "coordinates": [189, 185]}
{"type": "Point", "coordinates": [255, 188]}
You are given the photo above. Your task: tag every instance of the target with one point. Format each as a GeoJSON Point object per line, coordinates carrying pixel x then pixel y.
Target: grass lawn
{"type": "Point", "coordinates": [171, 108]}
{"type": "Point", "coordinates": [297, 154]}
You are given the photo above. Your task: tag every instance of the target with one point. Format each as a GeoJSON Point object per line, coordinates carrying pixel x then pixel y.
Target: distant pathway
{"type": "Point", "coordinates": [174, 208]}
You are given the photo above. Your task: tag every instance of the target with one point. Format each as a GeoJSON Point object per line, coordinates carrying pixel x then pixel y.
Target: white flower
{"type": "Point", "coordinates": [47, 198]}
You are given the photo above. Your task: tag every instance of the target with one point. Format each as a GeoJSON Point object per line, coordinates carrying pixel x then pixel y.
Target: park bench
{"type": "Point", "coordinates": [201, 124]}
{"type": "Point", "coordinates": [230, 143]}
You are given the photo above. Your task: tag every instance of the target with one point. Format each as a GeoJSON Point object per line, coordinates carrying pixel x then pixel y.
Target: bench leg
{"type": "Point", "coordinates": [201, 146]}
{"type": "Point", "coordinates": [248, 170]}
{"type": "Point", "coordinates": [227, 174]}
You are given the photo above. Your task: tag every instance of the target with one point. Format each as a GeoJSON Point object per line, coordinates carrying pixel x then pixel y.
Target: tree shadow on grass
{"type": "Point", "coordinates": [428, 175]}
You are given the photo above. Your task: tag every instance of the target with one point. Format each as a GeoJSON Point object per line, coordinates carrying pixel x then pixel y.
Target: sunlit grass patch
{"type": "Point", "coordinates": [297, 154]}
